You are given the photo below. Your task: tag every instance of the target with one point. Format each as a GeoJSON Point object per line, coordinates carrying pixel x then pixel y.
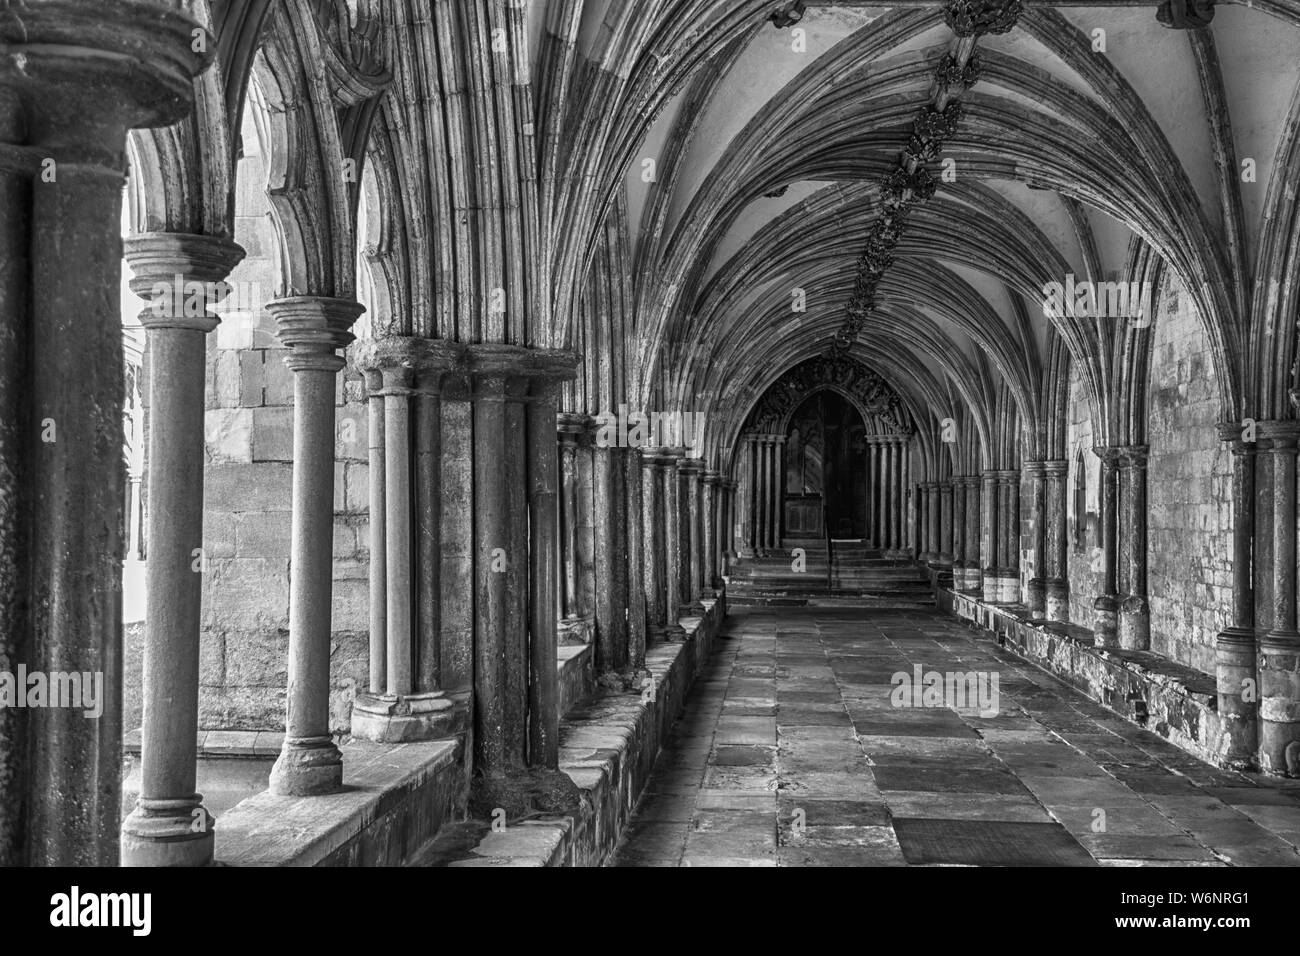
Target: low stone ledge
{"type": "Point", "coordinates": [396, 798]}
{"type": "Point", "coordinates": [1174, 701]}
{"type": "Point", "coordinates": [608, 748]}
{"type": "Point", "coordinates": [577, 669]}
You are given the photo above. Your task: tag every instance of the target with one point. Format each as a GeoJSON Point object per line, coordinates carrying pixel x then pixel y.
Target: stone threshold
{"type": "Point", "coordinates": [1169, 699]}
{"type": "Point", "coordinates": [608, 748]}
{"type": "Point", "coordinates": [395, 798]}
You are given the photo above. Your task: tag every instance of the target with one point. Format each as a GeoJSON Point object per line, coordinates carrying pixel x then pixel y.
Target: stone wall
{"type": "Point", "coordinates": [1189, 490]}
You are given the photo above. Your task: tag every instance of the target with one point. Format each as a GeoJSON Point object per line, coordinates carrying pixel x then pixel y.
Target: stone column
{"type": "Point", "coordinates": [611, 623]}
{"type": "Point", "coordinates": [974, 577]}
{"type": "Point", "coordinates": [569, 427]}
{"type": "Point", "coordinates": [408, 704]}
{"type": "Point", "coordinates": [1279, 660]}
{"type": "Point", "coordinates": [883, 505]}
{"type": "Point", "coordinates": [72, 82]}
{"type": "Point", "coordinates": [898, 494]}
{"type": "Point", "coordinates": [959, 533]}
{"type": "Point", "coordinates": [674, 554]}
{"type": "Point", "coordinates": [1036, 471]}
{"type": "Point", "coordinates": [933, 515]}
{"type": "Point", "coordinates": [727, 533]}
{"type": "Point", "coordinates": [871, 530]}
{"type": "Point", "coordinates": [713, 508]}
{"type": "Point", "coordinates": [543, 474]}
{"type": "Point", "coordinates": [313, 329]}
{"type": "Point", "coordinates": [586, 519]}
{"type": "Point", "coordinates": [1235, 652]}
{"type": "Point", "coordinates": [1134, 614]}
{"type": "Point", "coordinates": [778, 490]}
{"type": "Point", "coordinates": [652, 523]}
{"type": "Point", "coordinates": [1009, 592]}
{"type": "Point", "coordinates": [634, 507]}
{"type": "Point", "coordinates": [1106, 606]}
{"type": "Point", "coordinates": [689, 473]}
{"type": "Point", "coordinates": [921, 525]}
{"type": "Point", "coordinates": [761, 494]}
{"type": "Point", "coordinates": [745, 496]}
{"type": "Point", "coordinates": [378, 535]}
{"type": "Point", "coordinates": [1057, 583]}
{"type": "Point", "coordinates": [989, 538]}
{"type": "Point", "coordinates": [945, 523]}
{"type": "Point", "coordinates": [169, 825]}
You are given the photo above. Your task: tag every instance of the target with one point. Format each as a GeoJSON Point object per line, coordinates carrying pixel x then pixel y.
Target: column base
{"type": "Point", "coordinates": [306, 767]}
{"type": "Point", "coordinates": [1135, 624]}
{"type": "Point", "coordinates": [1279, 703]}
{"type": "Point", "coordinates": [1009, 588]}
{"type": "Point", "coordinates": [388, 719]}
{"type": "Point", "coordinates": [1036, 597]}
{"type": "Point", "coordinates": [674, 634]}
{"type": "Point", "coordinates": [972, 581]}
{"type": "Point", "coordinates": [1058, 600]}
{"type": "Point", "coordinates": [1235, 681]}
{"type": "Point", "coordinates": [990, 584]}
{"type": "Point", "coordinates": [1105, 628]}
{"type": "Point", "coordinates": [168, 833]}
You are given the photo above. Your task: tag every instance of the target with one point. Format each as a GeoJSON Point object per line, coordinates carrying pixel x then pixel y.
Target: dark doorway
{"type": "Point", "coordinates": [826, 475]}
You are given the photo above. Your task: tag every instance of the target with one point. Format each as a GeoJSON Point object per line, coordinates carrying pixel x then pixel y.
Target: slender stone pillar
{"type": "Point", "coordinates": [634, 507]}
{"type": "Point", "coordinates": [900, 495]}
{"type": "Point", "coordinates": [745, 494]}
{"type": "Point", "coordinates": [872, 528]}
{"type": "Point", "coordinates": [1106, 606]}
{"type": "Point", "coordinates": [72, 82]}
{"type": "Point", "coordinates": [397, 382]}
{"type": "Point", "coordinates": [959, 533]}
{"type": "Point", "coordinates": [1279, 660]}
{"type": "Point", "coordinates": [670, 460]}
{"type": "Point", "coordinates": [655, 561]}
{"type": "Point", "coordinates": [1037, 597]}
{"type": "Point", "coordinates": [945, 523]}
{"type": "Point", "coordinates": [378, 534]}
{"type": "Point", "coordinates": [989, 538]}
{"type": "Point", "coordinates": [611, 632]}
{"type": "Point", "coordinates": [933, 515]}
{"type": "Point", "coordinates": [169, 825]}
{"type": "Point", "coordinates": [586, 519]}
{"type": "Point", "coordinates": [1011, 591]}
{"type": "Point", "coordinates": [882, 493]}
{"type": "Point", "coordinates": [728, 529]}
{"type": "Point", "coordinates": [921, 524]}
{"type": "Point", "coordinates": [543, 474]}
{"type": "Point", "coordinates": [569, 427]}
{"type": "Point", "coordinates": [688, 492]}
{"type": "Point", "coordinates": [778, 486]}
{"type": "Point", "coordinates": [974, 578]}
{"type": "Point", "coordinates": [1057, 582]}
{"type": "Point", "coordinates": [1134, 615]}
{"type": "Point", "coordinates": [313, 329]}
{"type": "Point", "coordinates": [1235, 653]}
{"type": "Point", "coordinates": [713, 509]}
{"type": "Point", "coordinates": [762, 493]}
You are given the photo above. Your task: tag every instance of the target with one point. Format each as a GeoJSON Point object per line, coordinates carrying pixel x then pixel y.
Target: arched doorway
{"type": "Point", "coordinates": [826, 476]}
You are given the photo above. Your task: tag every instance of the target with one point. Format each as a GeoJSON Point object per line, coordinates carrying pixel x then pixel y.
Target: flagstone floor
{"type": "Point", "coordinates": [791, 753]}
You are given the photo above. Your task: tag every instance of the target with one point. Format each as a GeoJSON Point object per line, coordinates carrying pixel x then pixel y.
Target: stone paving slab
{"type": "Point", "coordinates": [792, 752]}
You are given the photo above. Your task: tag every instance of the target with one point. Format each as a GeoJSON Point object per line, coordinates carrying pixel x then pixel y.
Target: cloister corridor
{"type": "Point", "coordinates": [792, 753]}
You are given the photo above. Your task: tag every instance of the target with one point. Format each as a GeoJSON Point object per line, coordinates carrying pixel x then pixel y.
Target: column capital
{"type": "Point", "coordinates": [571, 424]}
{"type": "Point", "coordinates": [313, 328]}
{"type": "Point", "coordinates": [181, 276]}
{"type": "Point", "coordinates": [1109, 454]}
{"type": "Point", "coordinates": [691, 466]}
{"type": "Point", "coordinates": [1280, 434]}
{"type": "Point", "coordinates": [713, 477]}
{"type": "Point", "coordinates": [1232, 434]}
{"type": "Point", "coordinates": [1008, 474]}
{"type": "Point", "coordinates": [1134, 456]}
{"type": "Point", "coordinates": [1055, 467]}
{"type": "Point", "coordinates": [142, 57]}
